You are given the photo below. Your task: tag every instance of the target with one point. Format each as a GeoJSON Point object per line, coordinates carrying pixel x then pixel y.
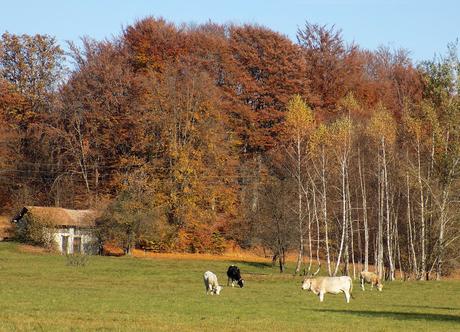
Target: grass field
{"type": "Point", "coordinates": [41, 292]}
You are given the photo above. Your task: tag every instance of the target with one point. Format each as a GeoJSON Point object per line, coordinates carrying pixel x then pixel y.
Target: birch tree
{"type": "Point", "coordinates": [319, 150]}
{"type": "Point", "coordinates": [299, 123]}
{"type": "Point", "coordinates": [382, 129]}
{"type": "Point", "coordinates": [341, 136]}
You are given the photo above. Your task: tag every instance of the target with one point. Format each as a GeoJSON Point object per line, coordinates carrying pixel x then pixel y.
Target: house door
{"type": "Point", "coordinates": [65, 244]}
{"type": "Point", "coordinates": [77, 245]}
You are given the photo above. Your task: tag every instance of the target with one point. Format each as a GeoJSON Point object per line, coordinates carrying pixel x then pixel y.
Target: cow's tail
{"type": "Point", "coordinates": [351, 289]}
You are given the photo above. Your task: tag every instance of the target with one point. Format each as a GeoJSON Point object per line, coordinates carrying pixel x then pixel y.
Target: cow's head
{"type": "Point", "coordinates": [241, 282]}
{"type": "Point", "coordinates": [306, 284]}
{"type": "Point", "coordinates": [379, 286]}
{"type": "Point", "coordinates": [218, 289]}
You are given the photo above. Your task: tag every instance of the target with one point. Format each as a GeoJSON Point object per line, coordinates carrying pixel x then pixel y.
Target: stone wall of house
{"type": "Point", "coordinates": [74, 240]}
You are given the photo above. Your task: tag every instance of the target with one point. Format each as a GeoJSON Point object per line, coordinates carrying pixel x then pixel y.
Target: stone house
{"type": "Point", "coordinates": [70, 231]}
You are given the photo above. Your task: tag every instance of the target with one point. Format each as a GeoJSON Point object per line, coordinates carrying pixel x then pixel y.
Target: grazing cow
{"type": "Point", "coordinates": [334, 285]}
{"type": "Point", "coordinates": [370, 278]}
{"type": "Point", "coordinates": [211, 284]}
{"type": "Point", "coordinates": [233, 274]}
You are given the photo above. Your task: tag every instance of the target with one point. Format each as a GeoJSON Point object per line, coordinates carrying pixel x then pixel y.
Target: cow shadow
{"type": "Point", "coordinates": [396, 315]}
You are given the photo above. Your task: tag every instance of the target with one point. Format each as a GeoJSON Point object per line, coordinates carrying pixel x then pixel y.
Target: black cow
{"type": "Point", "coordinates": [233, 274]}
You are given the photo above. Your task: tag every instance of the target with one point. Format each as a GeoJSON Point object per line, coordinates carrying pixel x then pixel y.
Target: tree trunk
{"type": "Point", "coordinates": [440, 253]}
{"type": "Point", "coordinates": [410, 234]}
{"type": "Point", "coordinates": [255, 193]}
{"type": "Point", "coordinates": [282, 260]}
{"type": "Point", "coordinates": [299, 211]}
{"type": "Point", "coordinates": [310, 253]}
{"type": "Point", "coordinates": [350, 222]}
{"type": "Point", "coordinates": [318, 238]}
{"type": "Point", "coordinates": [442, 225]}
{"type": "Point", "coordinates": [324, 209]}
{"type": "Point", "coordinates": [380, 223]}
{"type": "Point", "coordinates": [344, 220]}
{"type": "Point", "coordinates": [358, 232]}
{"type": "Point", "coordinates": [387, 208]}
{"type": "Point", "coordinates": [366, 228]}
{"type": "Point", "coordinates": [422, 274]}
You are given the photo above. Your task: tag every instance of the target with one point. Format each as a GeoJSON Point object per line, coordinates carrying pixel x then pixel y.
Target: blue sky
{"type": "Point", "coordinates": [423, 27]}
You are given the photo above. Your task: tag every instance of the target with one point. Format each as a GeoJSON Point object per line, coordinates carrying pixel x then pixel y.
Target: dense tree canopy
{"type": "Point", "coordinates": [191, 137]}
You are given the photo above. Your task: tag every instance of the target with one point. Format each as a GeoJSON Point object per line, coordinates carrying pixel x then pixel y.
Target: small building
{"type": "Point", "coordinates": [70, 231]}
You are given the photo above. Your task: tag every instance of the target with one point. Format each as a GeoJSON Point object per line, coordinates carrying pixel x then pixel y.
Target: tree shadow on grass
{"type": "Point", "coordinates": [397, 315]}
{"type": "Point", "coordinates": [423, 306]}
{"type": "Point", "coordinates": [260, 265]}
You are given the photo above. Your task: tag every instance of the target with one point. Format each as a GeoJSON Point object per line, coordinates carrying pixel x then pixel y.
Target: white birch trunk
{"type": "Point", "coordinates": [344, 219]}
{"type": "Point", "coordinates": [364, 200]}
{"type": "Point", "coordinates": [387, 210]}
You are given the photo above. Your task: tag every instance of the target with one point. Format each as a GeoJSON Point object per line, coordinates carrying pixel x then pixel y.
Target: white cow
{"type": "Point", "coordinates": [334, 285]}
{"type": "Point", "coordinates": [370, 278]}
{"type": "Point", "coordinates": [211, 284]}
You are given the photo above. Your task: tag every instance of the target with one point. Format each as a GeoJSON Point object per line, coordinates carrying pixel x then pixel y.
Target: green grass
{"type": "Point", "coordinates": [42, 293]}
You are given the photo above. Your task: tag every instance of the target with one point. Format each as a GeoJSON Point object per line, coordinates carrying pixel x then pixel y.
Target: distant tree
{"type": "Point", "coordinates": [97, 124]}
{"type": "Point", "coordinates": [153, 43]}
{"type": "Point", "coordinates": [195, 158]}
{"type": "Point", "coordinates": [132, 212]}
{"type": "Point", "coordinates": [33, 68]}
{"type": "Point", "coordinates": [34, 65]}
{"type": "Point", "coordinates": [275, 71]}
{"type": "Point", "coordinates": [438, 151]}
{"type": "Point", "coordinates": [10, 143]}
{"type": "Point", "coordinates": [329, 64]}
{"type": "Point", "coordinates": [274, 226]}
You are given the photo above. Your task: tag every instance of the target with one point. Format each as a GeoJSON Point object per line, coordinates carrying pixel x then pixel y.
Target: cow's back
{"type": "Point", "coordinates": [334, 284]}
{"type": "Point", "coordinates": [369, 276]}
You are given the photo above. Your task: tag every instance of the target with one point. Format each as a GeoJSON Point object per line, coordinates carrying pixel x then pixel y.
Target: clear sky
{"type": "Point", "coordinates": [423, 27]}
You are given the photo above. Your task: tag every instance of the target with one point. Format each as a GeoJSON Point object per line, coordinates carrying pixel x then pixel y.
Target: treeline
{"type": "Point", "coordinates": [194, 137]}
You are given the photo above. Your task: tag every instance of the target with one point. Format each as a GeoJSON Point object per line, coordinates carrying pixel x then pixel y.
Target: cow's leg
{"type": "Point", "coordinates": [372, 285]}
{"type": "Point", "coordinates": [347, 296]}
{"type": "Point", "coordinates": [228, 280]}
{"type": "Point", "coordinates": [233, 283]}
{"type": "Point", "coordinates": [321, 296]}
{"type": "Point", "coordinates": [362, 284]}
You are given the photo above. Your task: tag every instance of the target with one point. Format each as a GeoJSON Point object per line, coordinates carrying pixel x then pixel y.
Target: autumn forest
{"type": "Point", "coordinates": [194, 138]}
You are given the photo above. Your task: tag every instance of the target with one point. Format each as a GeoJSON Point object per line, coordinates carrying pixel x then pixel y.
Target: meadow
{"type": "Point", "coordinates": [41, 292]}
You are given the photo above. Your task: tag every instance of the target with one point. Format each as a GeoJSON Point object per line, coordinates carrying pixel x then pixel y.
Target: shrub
{"type": "Point", "coordinates": [77, 259]}
{"type": "Point", "coordinates": [36, 232]}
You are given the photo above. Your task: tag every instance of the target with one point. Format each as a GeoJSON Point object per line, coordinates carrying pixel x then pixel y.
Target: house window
{"type": "Point", "coordinates": [77, 245]}
{"type": "Point", "coordinates": [65, 244]}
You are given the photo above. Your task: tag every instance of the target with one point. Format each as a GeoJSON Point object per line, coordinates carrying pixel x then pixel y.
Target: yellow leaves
{"type": "Point", "coordinates": [319, 139]}
{"type": "Point", "coordinates": [382, 125]}
{"type": "Point", "coordinates": [424, 128]}
{"type": "Point", "coordinates": [299, 117]}
{"type": "Point", "coordinates": [413, 126]}
{"type": "Point", "coordinates": [349, 104]}
{"type": "Point", "coordinates": [340, 137]}
{"type": "Point", "coordinates": [341, 130]}
{"type": "Point", "coordinates": [432, 121]}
